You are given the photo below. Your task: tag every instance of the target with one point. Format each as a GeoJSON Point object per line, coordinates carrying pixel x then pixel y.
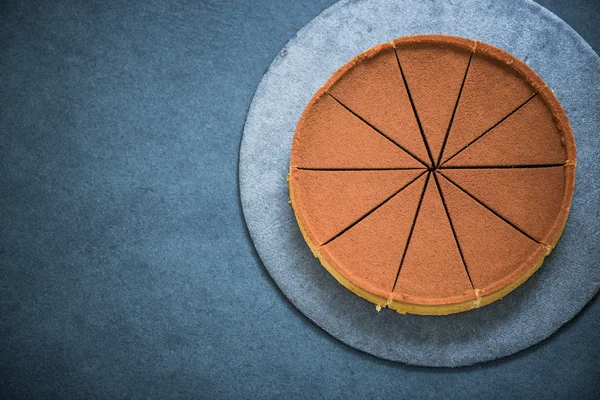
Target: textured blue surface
{"type": "Point", "coordinates": [125, 266]}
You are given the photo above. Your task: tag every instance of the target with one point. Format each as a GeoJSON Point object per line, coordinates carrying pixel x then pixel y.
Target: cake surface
{"type": "Point", "coordinates": [432, 174]}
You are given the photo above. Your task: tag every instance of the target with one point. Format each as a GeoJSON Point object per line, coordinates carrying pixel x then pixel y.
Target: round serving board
{"type": "Point", "coordinates": [569, 277]}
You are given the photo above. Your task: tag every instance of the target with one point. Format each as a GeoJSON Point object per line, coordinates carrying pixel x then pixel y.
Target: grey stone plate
{"type": "Point", "coordinates": [570, 276]}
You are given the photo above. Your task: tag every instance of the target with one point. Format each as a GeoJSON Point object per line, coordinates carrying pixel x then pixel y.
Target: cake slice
{"type": "Point", "coordinates": [330, 136]}
{"type": "Point", "coordinates": [432, 271]}
{"type": "Point", "coordinates": [493, 89]}
{"type": "Point", "coordinates": [495, 253]}
{"type": "Point", "coordinates": [530, 136]}
{"type": "Point", "coordinates": [372, 87]}
{"type": "Point", "coordinates": [368, 254]}
{"type": "Point", "coordinates": [533, 199]}
{"type": "Point", "coordinates": [434, 75]}
{"type": "Point", "coordinates": [327, 202]}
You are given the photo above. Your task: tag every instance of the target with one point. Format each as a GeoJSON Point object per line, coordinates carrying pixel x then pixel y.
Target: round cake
{"type": "Point", "coordinates": [432, 174]}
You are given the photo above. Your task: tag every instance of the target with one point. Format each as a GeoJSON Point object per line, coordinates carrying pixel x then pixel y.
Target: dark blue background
{"type": "Point", "coordinates": [126, 270]}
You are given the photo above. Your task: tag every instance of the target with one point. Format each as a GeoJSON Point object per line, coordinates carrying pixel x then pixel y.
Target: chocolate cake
{"type": "Point", "coordinates": [432, 174]}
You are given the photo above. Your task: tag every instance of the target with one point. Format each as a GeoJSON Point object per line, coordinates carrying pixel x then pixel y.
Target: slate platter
{"type": "Point", "coordinates": [570, 276]}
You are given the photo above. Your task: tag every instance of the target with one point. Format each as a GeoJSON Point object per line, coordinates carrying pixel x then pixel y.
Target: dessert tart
{"type": "Point", "coordinates": [433, 174]}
